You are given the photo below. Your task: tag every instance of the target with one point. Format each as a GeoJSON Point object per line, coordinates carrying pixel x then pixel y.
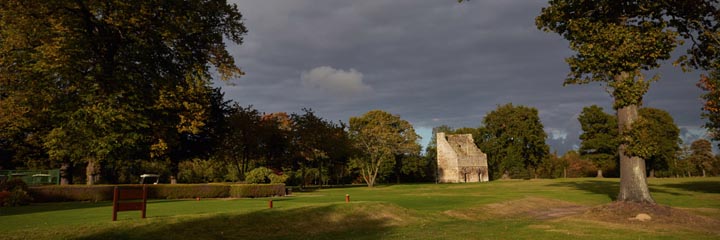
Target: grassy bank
{"type": "Point", "coordinates": [524, 209]}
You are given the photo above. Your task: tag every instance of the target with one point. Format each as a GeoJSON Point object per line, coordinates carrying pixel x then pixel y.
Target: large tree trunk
{"type": "Point", "coordinates": [633, 183]}
{"type": "Point", "coordinates": [92, 172]}
{"type": "Point", "coordinates": [65, 174]}
{"type": "Point", "coordinates": [369, 179]}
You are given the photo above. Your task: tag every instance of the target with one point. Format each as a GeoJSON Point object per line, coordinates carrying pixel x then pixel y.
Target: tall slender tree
{"type": "Point", "coordinates": [599, 140]}
{"type": "Point", "coordinates": [240, 142]}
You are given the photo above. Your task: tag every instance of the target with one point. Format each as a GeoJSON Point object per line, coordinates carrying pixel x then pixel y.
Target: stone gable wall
{"type": "Point", "coordinates": [459, 159]}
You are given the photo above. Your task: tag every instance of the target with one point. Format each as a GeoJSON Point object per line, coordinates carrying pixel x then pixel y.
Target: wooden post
{"type": "Point", "coordinates": [347, 198]}
{"type": "Point", "coordinates": [115, 204]}
{"type": "Point", "coordinates": [144, 200]}
{"type": "Point", "coordinates": [270, 204]}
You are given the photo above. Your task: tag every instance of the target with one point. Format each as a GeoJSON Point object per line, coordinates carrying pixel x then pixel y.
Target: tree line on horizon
{"type": "Point", "coordinates": [241, 143]}
{"type": "Point", "coordinates": [514, 140]}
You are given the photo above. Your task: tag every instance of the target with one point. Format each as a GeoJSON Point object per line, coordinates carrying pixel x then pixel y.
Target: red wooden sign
{"type": "Point", "coordinates": [129, 199]}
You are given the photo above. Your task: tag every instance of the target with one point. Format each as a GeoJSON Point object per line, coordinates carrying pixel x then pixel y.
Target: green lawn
{"type": "Point", "coordinates": [522, 209]}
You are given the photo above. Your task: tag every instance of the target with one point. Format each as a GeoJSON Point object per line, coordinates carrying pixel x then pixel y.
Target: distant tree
{"type": "Point", "coordinates": [414, 167]}
{"type": "Point", "coordinates": [599, 140]}
{"type": "Point", "coordinates": [702, 156]}
{"type": "Point", "coordinates": [554, 166]}
{"type": "Point", "coordinates": [318, 143]}
{"type": "Point", "coordinates": [655, 138]}
{"type": "Point", "coordinates": [380, 137]}
{"type": "Point", "coordinates": [578, 166]}
{"type": "Point", "coordinates": [276, 140]}
{"type": "Point", "coordinates": [514, 140]}
{"type": "Point", "coordinates": [466, 130]}
{"type": "Point", "coordinates": [239, 140]}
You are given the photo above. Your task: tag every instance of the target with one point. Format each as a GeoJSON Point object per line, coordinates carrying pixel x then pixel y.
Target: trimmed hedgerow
{"type": "Point", "coordinates": [256, 190]}
{"type": "Point", "coordinates": [63, 193]}
{"type": "Point", "coordinates": [95, 193]}
{"type": "Point", "coordinates": [178, 191]}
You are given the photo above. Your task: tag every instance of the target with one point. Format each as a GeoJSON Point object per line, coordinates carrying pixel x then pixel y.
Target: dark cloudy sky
{"type": "Point", "coordinates": [431, 62]}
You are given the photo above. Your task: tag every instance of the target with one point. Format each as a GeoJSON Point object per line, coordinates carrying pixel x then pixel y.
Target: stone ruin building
{"type": "Point", "coordinates": [459, 159]}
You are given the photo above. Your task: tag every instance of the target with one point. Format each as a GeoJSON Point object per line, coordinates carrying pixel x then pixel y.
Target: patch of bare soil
{"type": "Point", "coordinates": [530, 207]}
{"type": "Point", "coordinates": [659, 216]}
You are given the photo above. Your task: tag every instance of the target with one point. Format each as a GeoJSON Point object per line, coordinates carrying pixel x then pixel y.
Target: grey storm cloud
{"type": "Point", "coordinates": [335, 81]}
{"type": "Point", "coordinates": [431, 62]}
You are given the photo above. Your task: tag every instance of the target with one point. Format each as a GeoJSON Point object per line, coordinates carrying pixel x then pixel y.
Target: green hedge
{"type": "Point", "coordinates": [179, 191]}
{"type": "Point", "coordinates": [60, 193]}
{"type": "Point", "coordinates": [95, 193]}
{"type": "Point", "coordinates": [257, 190]}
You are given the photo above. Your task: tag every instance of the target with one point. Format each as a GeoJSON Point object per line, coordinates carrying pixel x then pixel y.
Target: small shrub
{"type": "Point", "coordinates": [17, 197]}
{"type": "Point", "coordinates": [202, 171]}
{"type": "Point", "coordinates": [15, 193]}
{"type": "Point", "coordinates": [13, 184]}
{"type": "Point", "coordinates": [3, 196]}
{"type": "Point", "coordinates": [259, 175]}
{"type": "Point", "coordinates": [256, 190]}
{"type": "Point", "coordinates": [274, 178]}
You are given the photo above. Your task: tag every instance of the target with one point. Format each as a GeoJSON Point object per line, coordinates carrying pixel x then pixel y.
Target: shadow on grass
{"type": "Point", "coordinates": [282, 199]}
{"type": "Point", "coordinates": [62, 206]}
{"type": "Point", "coordinates": [697, 186]}
{"type": "Point", "coordinates": [312, 188]}
{"type": "Point", "coordinates": [49, 207]}
{"type": "Point", "coordinates": [608, 188]}
{"type": "Point", "coordinates": [340, 221]}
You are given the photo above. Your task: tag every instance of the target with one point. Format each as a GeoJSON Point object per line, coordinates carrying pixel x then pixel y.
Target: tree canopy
{"type": "Point", "coordinates": [381, 137]}
{"type": "Point", "coordinates": [702, 156]}
{"type": "Point", "coordinates": [656, 138]}
{"type": "Point", "coordinates": [599, 139]}
{"type": "Point", "coordinates": [93, 78]}
{"type": "Point", "coordinates": [614, 42]}
{"type": "Point", "coordinates": [514, 140]}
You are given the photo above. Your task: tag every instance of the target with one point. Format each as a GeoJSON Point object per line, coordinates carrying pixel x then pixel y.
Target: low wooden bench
{"type": "Point", "coordinates": [129, 199]}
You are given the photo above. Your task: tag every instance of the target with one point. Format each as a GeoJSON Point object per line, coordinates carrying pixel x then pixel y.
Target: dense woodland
{"type": "Point", "coordinates": [106, 91]}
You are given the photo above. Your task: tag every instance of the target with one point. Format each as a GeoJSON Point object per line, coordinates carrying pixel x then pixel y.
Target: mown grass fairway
{"type": "Point", "coordinates": [523, 209]}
